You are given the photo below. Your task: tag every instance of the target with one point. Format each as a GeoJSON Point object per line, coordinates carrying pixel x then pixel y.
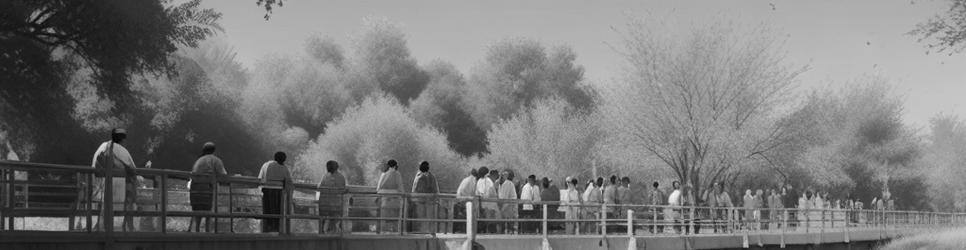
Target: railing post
{"type": "Point", "coordinates": [544, 221]}
{"type": "Point", "coordinates": [214, 203]}
{"type": "Point", "coordinates": [654, 219]}
{"type": "Point", "coordinates": [603, 219]}
{"type": "Point", "coordinates": [470, 225]}
{"type": "Point", "coordinates": [108, 204]}
{"type": "Point", "coordinates": [231, 208]}
{"type": "Point", "coordinates": [404, 214]}
{"type": "Point", "coordinates": [164, 202]}
{"type": "Point", "coordinates": [630, 222]}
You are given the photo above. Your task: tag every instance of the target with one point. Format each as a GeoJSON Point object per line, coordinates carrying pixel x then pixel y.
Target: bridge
{"type": "Point", "coordinates": [47, 206]}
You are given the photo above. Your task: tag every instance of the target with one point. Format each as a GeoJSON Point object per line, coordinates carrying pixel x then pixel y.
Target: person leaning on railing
{"type": "Point", "coordinates": [202, 188]}
{"type": "Point", "coordinates": [390, 182]}
{"type": "Point", "coordinates": [111, 154]}
{"type": "Point", "coordinates": [278, 184]}
{"type": "Point", "coordinates": [331, 189]}
{"type": "Point", "coordinates": [466, 190]}
{"type": "Point", "coordinates": [425, 183]}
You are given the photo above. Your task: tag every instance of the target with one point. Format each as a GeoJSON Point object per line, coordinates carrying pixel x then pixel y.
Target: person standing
{"type": "Point", "coordinates": [390, 186]}
{"type": "Point", "coordinates": [790, 201]}
{"type": "Point", "coordinates": [277, 186]}
{"type": "Point", "coordinates": [205, 173]}
{"type": "Point", "coordinates": [113, 155]}
{"type": "Point", "coordinates": [674, 201]}
{"type": "Point", "coordinates": [551, 194]}
{"type": "Point", "coordinates": [425, 183]}
{"type": "Point", "coordinates": [332, 187]}
{"type": "Point", "coordinates": [569, 204]}
{"type": "Point", "coordinates": [486, 189]}
{"type": "Point", "coordinates": [508, 210]}
{"type": "Point", "coordinates": [466, 190]}
{"type": "Point", "coordinates": [720, 201]}
{"type": "Point", "coordinates": [530, 193]}
{"type": "Point", "coordinates": [656, 199]}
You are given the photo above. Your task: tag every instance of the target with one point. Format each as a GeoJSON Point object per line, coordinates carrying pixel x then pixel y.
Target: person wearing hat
{"type": "Point", "coordinates": [204, 174]}
{"type": "Point", "coordinates": [112, 155]}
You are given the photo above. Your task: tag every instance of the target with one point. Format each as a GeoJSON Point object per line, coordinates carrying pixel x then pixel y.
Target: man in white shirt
{"type": "Point", "coordinates": [486, 189]}
{"type": "Point", "coordinates": [507, 191]}
{"type": "Point", "coordinates": [279, 183]}
{"type": "Point", "coordinates": [530, 192]}
{"type": "Point", "coordinates": [673, 200]}
{"type": "Point", "coordinates": [466, 190]}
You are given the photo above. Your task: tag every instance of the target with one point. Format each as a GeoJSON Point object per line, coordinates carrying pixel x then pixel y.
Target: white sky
{"type": "Point", "coordinates": [839, 40]}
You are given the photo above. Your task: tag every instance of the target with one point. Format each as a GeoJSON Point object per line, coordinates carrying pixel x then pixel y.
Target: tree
{"type": "Point", "coordinates": [381, 54]}
{"type": "Point", "coordinates": [702, 102]}
{"type": "Point", "coordinates": [441, 106]}
{"type": "Point", "coordinates": [47, 41]}
{"type": "Point", "coordinates": [548, 139]}
{"type": "Point", "coordinates": [368, 135]}
{"type": "Point", "coordinates": [945, 159]}
{"type": "Point", "coordinates": [945, 32]}
{"type": "Point", "coordinates": [518, 72]}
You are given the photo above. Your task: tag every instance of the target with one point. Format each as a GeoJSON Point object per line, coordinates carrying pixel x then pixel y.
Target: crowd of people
{"type": "Point", "coordinates": [503, 199]}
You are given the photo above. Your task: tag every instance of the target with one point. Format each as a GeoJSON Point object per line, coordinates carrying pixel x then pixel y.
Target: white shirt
{"type": "Point", "coordinates": [675, 198]}
{"type": "Point", "coordinates": [122, 158]}
{"type": "Point", "coordinates": [487, 190]}
{"type": "Point", "coordinates": [508, 190]}
{"type": "Point", "coordinates": [467, 188]}
{"type": "Point", "coordinates": [529, 193]}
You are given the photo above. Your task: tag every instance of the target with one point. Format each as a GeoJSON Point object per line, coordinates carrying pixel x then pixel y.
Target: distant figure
{"type": "Point", "coordinates": [675, 201]}
{"type": "Point", "coordinates": [277, 179]}
{"type": "Point", "coordinates": [202, 187]}
{"type": "Point", "coordinates": [486, 188]}
{"type": "Point", "coordinates": [112, 154]}
{"type": "Point", "coordinates": [466, 190]}
{"type": "Point", "coordinates": [425, 183]}
{"type": "Point", "coordinates": [390, 185]}
{"type": "Point", "coordinates": [610, 197]}
{"type": "Point", "coordinates": [790, 200]}
{"type": "Point", "coordinates": [508, 210]}
{"type": "Point", "coordinates": [332, 187]}
{"type": "Point", "coordinates": [530, 193]}
{"type": "Point", "coordinates": [551, 193]}
{"type": "Point", "coordinates": [6, 149]}
{"type": "Point", "coordinates": [569, 202]}
{"type": "Point", "coordinates": [748, 203]}
{"type": "Point", "coordinates": [655, 199]}
{"type": "Point", "coordinates": [720, 199]}
{"type": "Point", "coordinates": [624, 192]}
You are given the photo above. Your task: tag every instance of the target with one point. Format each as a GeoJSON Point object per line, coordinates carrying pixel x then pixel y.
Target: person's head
{"type": "Point", "coordinates": [208, 148]}
{"type": "Point", "coordinates": [656, 185]}
{"type": "Point", "coordinates": [600, 181]}
{"type": "Point", "coordinates": [494, 174]}
{"type": "Point", "coordinates": [280, 157]}
{"type": "Point", "coordinates": [626, 181]}
{"type": "Point", "coordinates": [3, 132]}
{"type": "Point", "coordinates": [759, 192]}
{"type": "Point", "coordinates": [747, 192]}
{"type": "Point", "coordinates": [504, 175]}
{"type": "Point", "coordinates": [473, 173]}
{"type": "Point", "coordinates": [118, 135]}
{"type": "Point", "coordinates": [546, 182]}
{"type": "Point", "coordinates": [717, 187]}
{"type": "Point", "coordinates": [424, 167]}
{"type": "Point", "coordinates": [572, 182]}
{"type": "Point", "coordinates": [482, 172]}
{"type": "Point", "coordinates": [510, 175]}
{"type": "Point", "coordinates": [532, 179]}
{"type": "Point", "coordinates": [613, 180]}
{"type": "Point", "coordinates": [391, 164]}
{"type": "Point", "coordinates": [676, 184]}
{"type": "Point", "coordinates": [331, 166]}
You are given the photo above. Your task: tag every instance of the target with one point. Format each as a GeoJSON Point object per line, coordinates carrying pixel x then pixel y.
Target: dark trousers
{"type": "Point", "coordinates": [271, 204]}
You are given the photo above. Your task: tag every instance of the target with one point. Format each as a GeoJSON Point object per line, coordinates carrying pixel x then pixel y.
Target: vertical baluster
{"type": "Point", "coordinates": [164, 202]}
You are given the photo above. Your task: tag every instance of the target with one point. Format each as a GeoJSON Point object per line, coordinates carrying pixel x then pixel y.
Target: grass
{"type": "Point", "coordinates": [950, 239]}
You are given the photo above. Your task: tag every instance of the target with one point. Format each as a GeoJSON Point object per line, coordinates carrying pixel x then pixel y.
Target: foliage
{"type": "Point", "coordinates": [548, 139]}
{"type": "Point", "coordinates": [702, 102]}
{"type": "Point", "coordinates": [945, 32]}
{"type": "Point", "coordinates": [381, 53]}
{"type": "Point", "coordinates": [441, 106]}
{"type": "Point", "coordinates": [945, 158]}
{"type": "Point", "coordinates": [518, 72]}
{"type": "Point", "coordinates": [368, 135]}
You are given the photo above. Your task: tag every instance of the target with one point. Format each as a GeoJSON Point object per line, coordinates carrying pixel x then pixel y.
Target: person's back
{"type": "Point", "coordinates": [276, 179]}
{"type": "Point", "coordinates": [391, 182]}
{"type": "Point", "coordinates": [467, 187]}
{"type": "Point", "coordinates": [208, 164]}
{"type": "Point", "coordinates": [610, 194]}
{"type": "Point", "coordinates": [425, 183]}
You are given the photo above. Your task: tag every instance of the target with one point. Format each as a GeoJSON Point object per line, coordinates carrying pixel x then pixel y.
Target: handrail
{"type": "Point", "coordinates": [404, 213]}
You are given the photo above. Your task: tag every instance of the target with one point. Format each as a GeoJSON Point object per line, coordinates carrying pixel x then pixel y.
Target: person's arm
{"type": "Point", "coordinates": [381, 182]}
{"type": "Point", "coordinates": [261, 172]}
{"type": "Point", "coordinates": [415, 182]}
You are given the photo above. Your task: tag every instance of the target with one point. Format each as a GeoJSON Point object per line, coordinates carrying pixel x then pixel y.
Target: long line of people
{"type": "Point", "coordinates": [760, 209]}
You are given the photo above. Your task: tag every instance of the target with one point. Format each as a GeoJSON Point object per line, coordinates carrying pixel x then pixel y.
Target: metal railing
{"type": "Point", "coordinates": [162, 205]}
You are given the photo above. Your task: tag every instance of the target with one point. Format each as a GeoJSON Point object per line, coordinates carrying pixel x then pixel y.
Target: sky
{"type": "Point", "coordinates": [839, 41]}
